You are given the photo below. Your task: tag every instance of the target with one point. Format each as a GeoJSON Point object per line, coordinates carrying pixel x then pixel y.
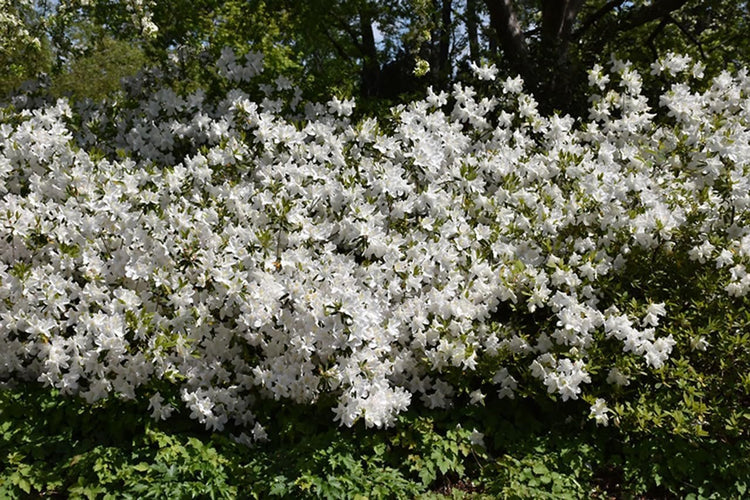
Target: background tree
{"type": "Point", "coordinates": [367, 48]}
{"type": "Point", "coordinates": [24, 51]}
{"type": "Point", "coordinates": [551, 43]}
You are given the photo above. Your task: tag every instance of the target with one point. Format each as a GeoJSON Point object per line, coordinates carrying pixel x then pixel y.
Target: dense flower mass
{"type": "Point", "coordinates": [213, 253]}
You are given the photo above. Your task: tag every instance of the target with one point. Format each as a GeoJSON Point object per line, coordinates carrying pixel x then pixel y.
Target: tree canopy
{"type": "Point", "coordinates": [383, 52]}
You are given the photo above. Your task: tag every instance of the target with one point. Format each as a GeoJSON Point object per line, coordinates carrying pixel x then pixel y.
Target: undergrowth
{"type": "Point", "coordinates": [57, 447]}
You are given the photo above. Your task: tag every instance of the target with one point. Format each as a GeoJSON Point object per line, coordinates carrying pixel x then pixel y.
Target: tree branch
{"type": "Point", "coordinates": [654, 34]}
{"type": "Point", "coordinates": [648, 13]}
{"type": "Point", "coordinates": [688, 35]}
{"type": "Point", "coordinates": [596, 16]}
{"type": "Point", "coordinates": [558, 17]}
{"type": "Point", "coordinates": [337, 46]}
{"type": "Point", "coordinates": [353, 35]}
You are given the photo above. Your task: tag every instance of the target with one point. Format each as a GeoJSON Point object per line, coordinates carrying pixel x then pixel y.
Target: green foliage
{"type": "Point", "coordinates": [544, 468]}
{"type": "Point", "coordinates": [52, 446]}
{"type": "Point", "coordinates": [350, 47]}
{"type": "Point", "coordinates": [679, 431]}
{"type": "Point", "coordinates": [431, 453]}
{"type": "Point", "coordinates": [23, 52]}
{"type": "Point", "coordinates": [698, 393]}
{"type": "Point", "coordinates": [98, 74]}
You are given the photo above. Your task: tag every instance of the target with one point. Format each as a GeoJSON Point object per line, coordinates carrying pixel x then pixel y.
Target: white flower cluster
{"type": "Point", "coordinates": [224, 253]}
{"type": "Point", "coordinates": [234, 71]}
{"type": "Point", "coordinates": [484, 72]}
{"type": "Point", "coordinates": [140, 15]}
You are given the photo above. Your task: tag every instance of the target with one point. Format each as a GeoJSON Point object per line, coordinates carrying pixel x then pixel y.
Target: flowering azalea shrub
{"type": "Point", "coordinates": [212, 251]}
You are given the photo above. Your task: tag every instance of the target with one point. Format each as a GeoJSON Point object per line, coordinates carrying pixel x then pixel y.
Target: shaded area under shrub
{"type": "Point", "coordinates": [57, 447]}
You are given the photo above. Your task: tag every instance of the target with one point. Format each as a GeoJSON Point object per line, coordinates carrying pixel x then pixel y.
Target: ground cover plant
{"type": "Point", "coordinates": [252, 295]}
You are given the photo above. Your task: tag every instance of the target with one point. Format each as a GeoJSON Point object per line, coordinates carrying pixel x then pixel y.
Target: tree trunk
{"type": "Point", "coordinates": [444, 44]}
{"type": "Point", "coordinates": [510, 35]}
{"type": "Point", "coordinates": [548, 70]}
{"type": "Point", "coordinates": [558, 79]}
{"type": "Point", "coordinates": [558, 17]}
{"type": "Point", "coordinates": [370, 67]}
{"type": "Point", "coordinates": [472, 20]}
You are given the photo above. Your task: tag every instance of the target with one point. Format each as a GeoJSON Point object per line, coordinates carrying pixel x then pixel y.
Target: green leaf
{"type": "Point", "coordinates": [657, 479]}
{"type": "Point", "coordinates": [279, 486]}
{"type": "Point", "coordinates": [741, 488]}
{"type": "Point", "coordinates": [540, 469]}
{"type": "Point", "coordinates": [24, 485]}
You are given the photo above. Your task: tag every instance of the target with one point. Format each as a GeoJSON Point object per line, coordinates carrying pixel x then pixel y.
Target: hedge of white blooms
{"type": "Point", "coordinates": [230, 250]}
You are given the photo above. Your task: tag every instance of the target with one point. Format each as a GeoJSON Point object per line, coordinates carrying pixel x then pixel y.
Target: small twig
{"type": "Point", "coordinates": [688, 35]}
{"type": "Point", "coordinates": [653, 36]}
{"type": "Point", "coordinates": [337, 46]}
{"type": "Point", "coordinates": [277, 262]}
